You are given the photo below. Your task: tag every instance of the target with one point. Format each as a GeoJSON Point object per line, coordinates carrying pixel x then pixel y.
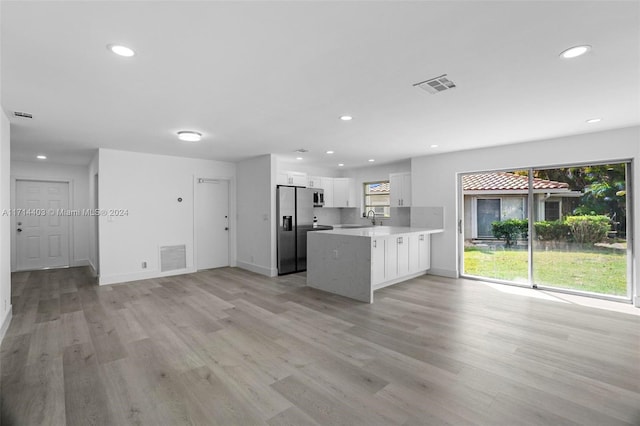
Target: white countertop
{"type": "Point", "coordinates": [380, 231]}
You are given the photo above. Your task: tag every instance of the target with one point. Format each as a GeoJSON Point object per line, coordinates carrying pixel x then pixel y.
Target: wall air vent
{"type": "Point", "coordinates": [436, 85]}
{"type": "Point", "coordinates": [22, 114]}
{"type": "Point", "coordinates": [173, 258]}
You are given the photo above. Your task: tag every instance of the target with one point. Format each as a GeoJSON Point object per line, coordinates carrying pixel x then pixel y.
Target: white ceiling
{"type": "Point", "coordinates": [272, 77]}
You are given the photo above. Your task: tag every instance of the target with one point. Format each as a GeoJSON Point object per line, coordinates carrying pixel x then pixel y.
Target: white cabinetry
{"type": "Point", "coordinates": [378, 264]}
{"type": "Point", "coordinates": [424, 252]}
{"type": "Point", "coordinates": [315, 182]}
{"type": "Point", "coordinates": [400, 189]}
{"type": "Point", "coordinates": [327, 185]}
{"type": "Point", "coordinates": [343, 195]}
{"type": "Point", "coordinates": [398, 256]}
{"type": "Point", "coordinates": [292, 178]}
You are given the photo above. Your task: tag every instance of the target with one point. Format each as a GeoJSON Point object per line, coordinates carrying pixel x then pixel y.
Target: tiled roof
{"type": "Point", "coordinates": [381, 187]}
{"type": "Point", "coordinates": [502, 181]}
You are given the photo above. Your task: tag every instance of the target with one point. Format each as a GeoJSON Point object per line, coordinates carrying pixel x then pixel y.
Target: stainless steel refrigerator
{"type": "Point", "coordinates": [295, 218]}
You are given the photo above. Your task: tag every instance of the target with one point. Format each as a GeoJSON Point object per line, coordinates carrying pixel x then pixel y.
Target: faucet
{"type": "Point", "coordinates": [373, 219]}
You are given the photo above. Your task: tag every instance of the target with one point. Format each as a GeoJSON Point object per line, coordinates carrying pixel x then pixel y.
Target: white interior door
{"type": "Point", "coordinates": [42, 235]}
{"type": "Point", "coordinates": [212, 223]}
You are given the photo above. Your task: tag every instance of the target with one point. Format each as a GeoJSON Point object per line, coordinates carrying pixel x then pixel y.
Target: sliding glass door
{"type": "Point", "coordinates": [581, 234]}
{"type": "Point", "coordinates": [495, 228]}
{"type": "Point", "coordinates": [560, 228]}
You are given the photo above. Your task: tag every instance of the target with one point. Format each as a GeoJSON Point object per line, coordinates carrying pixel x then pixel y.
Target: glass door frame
{"type": "Point", "coordinates": [530, 214]}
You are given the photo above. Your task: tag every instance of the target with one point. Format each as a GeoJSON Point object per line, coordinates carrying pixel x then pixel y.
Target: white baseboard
{"type": "Point", "coordinates": [636, 302]}
{"type": "Point", "coordinates": [136, 276]}
{"type": "Point", "coordinates": [6, 322]}
{"type": "Point", "coordinates": [80, 262]}
{"type": "Point", "coordinates": [443, 273]}
{"type": "Point", "coordinates": [258, 269]}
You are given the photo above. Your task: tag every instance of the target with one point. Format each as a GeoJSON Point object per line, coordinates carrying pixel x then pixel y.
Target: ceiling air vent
{"type": "Point", "coordinates": [436, 85]}
{"type": "Point", "coordinates": [22, 114]}
{"type": "Point", "coordinates": [301, 150]}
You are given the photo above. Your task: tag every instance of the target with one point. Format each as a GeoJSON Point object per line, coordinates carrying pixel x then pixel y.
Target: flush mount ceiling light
{"type": "Point", "coordinates": [121, 50]}
{"type": "Point", "coordinates": [346, 118]}
{"type": "Point", "coordinates": [594, 120]}
{"type": "Point", "coordinates": [371, 160]}
{"type": "Point", "coordinates": [433, 146]}
{"type": "Point", "coordinates": [330, 152]}
{"type": "Point", "coordinates": [189, 136]}
{"type": "Point", "coordinates": [575, 51]}
{"type": "Point", "coordinates": [41, 157]}
{"type": "Point", "coordinates": [299, 158]}
{"type": "Point", "coordinates": [340, 165]}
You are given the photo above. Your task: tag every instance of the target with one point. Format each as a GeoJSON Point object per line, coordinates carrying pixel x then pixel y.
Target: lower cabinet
{"type": "Point", "coordinates": [378, 264]}
{"type": "Point", "coordinates": [395, 257]}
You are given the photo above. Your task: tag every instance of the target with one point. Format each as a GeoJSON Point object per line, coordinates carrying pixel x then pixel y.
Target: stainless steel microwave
{"type": "Point", "coordinates": [318, 198]}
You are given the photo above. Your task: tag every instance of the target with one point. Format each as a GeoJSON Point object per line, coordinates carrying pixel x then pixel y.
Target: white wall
{"type": "Point", "coordinates": [78, 199]}
{"type": "Point", "coordinates": [5, 225]}
{"type": "Point", "coordinates": [148, 186]}
{"type": "Point", "coordinates": [256, 208]}
{"type": "Point", "coordinates": [434, 179]}
{"type": "Point", "coordinates": [93, 221]}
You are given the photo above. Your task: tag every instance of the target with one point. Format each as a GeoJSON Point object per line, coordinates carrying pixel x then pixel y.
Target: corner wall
{"type": "Point", "coordinates": [434, 180]}
{"type": "Point", "coordinates": [256, 207]}
{"type": "Point", "coordinates": [147, 187]}
{"type": "Point", "coordinates": [5, 225]}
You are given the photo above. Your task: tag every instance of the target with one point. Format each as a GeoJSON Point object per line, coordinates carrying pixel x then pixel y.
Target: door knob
{"type": "Point", "coordinates": [19, 230]}
{"type": "Point", "coordinates": [226, 228]}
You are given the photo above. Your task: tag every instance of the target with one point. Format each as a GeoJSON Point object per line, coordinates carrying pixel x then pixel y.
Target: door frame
{"type": "Point", "coordinates": [70, 228]}
{"type": "Point", "coordinates": [232, 217]}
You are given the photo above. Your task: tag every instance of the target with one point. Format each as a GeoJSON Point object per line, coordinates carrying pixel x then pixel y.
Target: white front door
{"type": "Point", "coordinates": [42, 235]}
{"type": "Point", "coordinates": [212, 223]}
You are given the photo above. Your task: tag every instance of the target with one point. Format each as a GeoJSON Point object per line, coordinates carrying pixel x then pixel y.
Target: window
{"type": "Point", "coordinates": [551, 210]}
{"type": "Point", "coordinates": [376, 198]}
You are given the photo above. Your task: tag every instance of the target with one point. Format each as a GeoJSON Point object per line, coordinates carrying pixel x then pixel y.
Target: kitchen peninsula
{"type": "Point", "coordinates": [355, 262]}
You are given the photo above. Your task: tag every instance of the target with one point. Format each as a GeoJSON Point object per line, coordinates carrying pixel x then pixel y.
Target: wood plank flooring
{"type": "Point", "coordinates": [229, 347]}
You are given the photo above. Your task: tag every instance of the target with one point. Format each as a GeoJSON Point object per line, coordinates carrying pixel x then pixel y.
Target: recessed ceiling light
{"type": "Point", "coordinates": [574, 52]}
{"type": "Point", "coordinates": [346, 118]}
{"type": "Point", "coordinates": [330, 152]}
{"type": "Point", "coordinates": [371, 160]}
{"type": "Point", "coordinates": [594, 120]}
{"type": "Point", "coordinates": [121, 50]}
{"type": "Point", "coordinates": [433, 146]}
{"type": "Point", "coordinates": [340, 165]}
{"type": "Point", "coordinates": [299, 158]}
{"type": "Point", "coordinates": [41, 157]}
{"type": "Point", "coordinates": [189, 136]}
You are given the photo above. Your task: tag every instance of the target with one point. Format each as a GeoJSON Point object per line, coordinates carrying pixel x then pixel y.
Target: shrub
{"type": "Point", "coordinates": [588, 229]}
{"type": "Point", "coordinates": [509, 230]}
{"type": "Point", "coordinates": [552, 230]}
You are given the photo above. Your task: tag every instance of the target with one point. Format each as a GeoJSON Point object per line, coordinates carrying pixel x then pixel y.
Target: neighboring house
{"type": "Point", "coordinates": [497, 196]}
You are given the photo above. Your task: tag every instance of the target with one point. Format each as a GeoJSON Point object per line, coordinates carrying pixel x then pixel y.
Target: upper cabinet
{"type": "Point", "coordinates": [292, 178]}
{"type": "Point", "coordinates": [315, 182]}
{"type": "Point", "coordinates": [343, 193]}
{"type": "Point", "coordinates": [400, 189]}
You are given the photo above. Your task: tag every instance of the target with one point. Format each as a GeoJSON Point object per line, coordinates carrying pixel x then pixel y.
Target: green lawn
{"type": "Point", "coordinates": [599, 271]}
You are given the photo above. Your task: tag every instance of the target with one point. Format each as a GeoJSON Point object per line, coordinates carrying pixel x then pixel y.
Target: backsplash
{"type": "Point", "coordinates": [400, 216]}
{"type": "Point", "coordinates": [327, 216]}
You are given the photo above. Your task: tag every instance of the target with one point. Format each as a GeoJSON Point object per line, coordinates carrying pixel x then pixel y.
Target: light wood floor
{"type": "Point", "coordinates": [228, 347]}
